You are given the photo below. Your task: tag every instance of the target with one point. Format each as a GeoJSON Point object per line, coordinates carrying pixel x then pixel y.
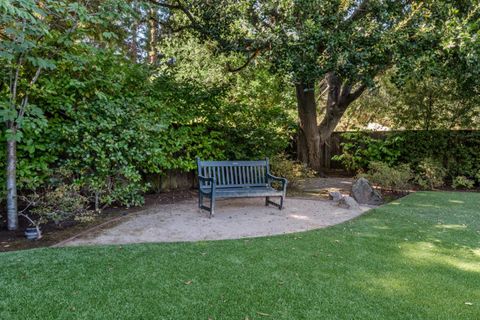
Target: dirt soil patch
{"type": "Point", "coordinates": [52, 234]}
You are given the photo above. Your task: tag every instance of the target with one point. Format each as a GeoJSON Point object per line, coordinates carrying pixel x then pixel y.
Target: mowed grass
{"type": "Point", "coordinates": [416, 258]}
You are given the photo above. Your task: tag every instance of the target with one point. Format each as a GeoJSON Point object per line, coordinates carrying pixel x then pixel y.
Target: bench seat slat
{"type": "Point", "coordinates": [242, 192]}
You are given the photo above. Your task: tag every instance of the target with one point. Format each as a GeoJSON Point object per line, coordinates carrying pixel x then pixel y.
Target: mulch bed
{"type": "Point", "coordinates": [53, 234]}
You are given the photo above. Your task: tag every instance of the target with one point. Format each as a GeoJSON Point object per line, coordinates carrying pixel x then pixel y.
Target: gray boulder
{"type": "Point", "coordinates": [348, 202]}
{"type": "Point", "coordinates": [335, 195]}
{"type": "Point", "coordinates": [363, 192]}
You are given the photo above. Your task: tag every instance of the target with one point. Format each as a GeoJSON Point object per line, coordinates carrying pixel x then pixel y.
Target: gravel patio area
{"type": "Point", "coordinates": [234, 218]}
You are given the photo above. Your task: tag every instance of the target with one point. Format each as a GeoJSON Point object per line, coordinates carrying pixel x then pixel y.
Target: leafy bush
{"type": "Point", "coordinates": [431, 174]}
{"type": "Point", "coordinates": [60, 204]}
{"type": "Point", "coordinates": [292, 170]}
{"type": "Point", "coordinates": [360, 149]}
{"type": "Point", "coordinates": [462, 182]}
{"type": "Point", "coordinates": [457, 150]}
{"type": "Point", "coordinates": [389, 178]}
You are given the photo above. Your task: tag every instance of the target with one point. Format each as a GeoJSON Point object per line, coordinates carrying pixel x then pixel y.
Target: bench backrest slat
{"type": "Point", "coordinates": [234, 174]}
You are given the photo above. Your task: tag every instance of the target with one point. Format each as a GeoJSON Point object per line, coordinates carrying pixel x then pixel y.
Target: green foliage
{"type": "Point", "coordinates": [463, 183]}
{"type": "Point", "coordinates": [293, 171]}
{"type": "Point", "coordinates": [421, 102]}
{"type": "Point", "coordinates": [395, 178]}
{"type": "Point", "coordinates": [112, 123]}
{"type": "Point", "coordinates": [456, 151]}
{"type": "Point", "coordinates": [431, 174]}
{"type": "Point", "coordinates": [360, 149]}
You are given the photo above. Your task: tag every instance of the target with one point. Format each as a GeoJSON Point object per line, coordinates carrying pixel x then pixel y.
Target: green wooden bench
{"type": "Point", "coordinates": [237, 179]}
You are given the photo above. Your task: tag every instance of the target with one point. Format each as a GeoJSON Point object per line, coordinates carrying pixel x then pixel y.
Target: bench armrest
{"type": "Point", "coordinates": [282, 180]}
{"type": "Point", "coordinates": [206, 179]}
{"type": "Point", "coordinates": [202, 178]}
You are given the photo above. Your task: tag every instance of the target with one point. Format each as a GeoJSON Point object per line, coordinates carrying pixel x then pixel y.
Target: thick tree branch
{"type": "Point", "coordinates": [355, 94]}
{"type": "Point", "coordinates": [250, 59]}
{"type": "Point", "coordinates": [359, 12]}
{"type": "Point", "coordinates": [177, 6]}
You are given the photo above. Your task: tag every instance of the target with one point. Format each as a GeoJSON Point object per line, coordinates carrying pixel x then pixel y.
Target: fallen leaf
{"type": "Point", "coordinates": [263, 314]}
{"type": "Point", "coordinates": [188, 282]}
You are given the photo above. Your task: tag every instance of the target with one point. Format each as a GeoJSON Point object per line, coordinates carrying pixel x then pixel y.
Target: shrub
{"type": "Point", "coordinates": [477, 176]}
{"type": "Point", "coordinates": [60, 204]}
{"type": "Point", "coordinates": [360, 149]}
{"type": "Point", "coordinates": [431, 174]}
{"type": "Point", "coordinates": [389, 178]}
{"type": "Point", "coordinates": [292, 170]}
{"type": "Point", "coordinates": [462, 182]}
{"type": "Point", "coordinates": [457, 150]}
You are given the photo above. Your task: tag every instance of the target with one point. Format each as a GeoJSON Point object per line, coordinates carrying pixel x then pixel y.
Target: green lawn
{"type": "Point", "coordinates": [417, 258]}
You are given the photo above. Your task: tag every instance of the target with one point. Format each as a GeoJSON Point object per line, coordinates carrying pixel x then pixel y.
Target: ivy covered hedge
{"type": "Point", "coordinates": [458, 151]}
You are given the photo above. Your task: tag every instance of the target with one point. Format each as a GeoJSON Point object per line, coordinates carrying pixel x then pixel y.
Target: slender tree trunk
{"type": "Point", "coordinates": [12, 212]}
{"type": "Point", "coordinates": [133, 45]}
{"type": "Point", "coordinates": [152, 36]}
{"type": "Point", "coordinates": [309, 135]}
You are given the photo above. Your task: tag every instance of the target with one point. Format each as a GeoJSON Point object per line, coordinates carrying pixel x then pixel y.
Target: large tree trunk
{"type": "Point", "coordinates": [309, 136]}
{"type": "Point", "coordinates": [340, 96]}
{"type": "Point", "coordinates": [12, 214]}
{"type": "Point", "coordinates": [312, 137]}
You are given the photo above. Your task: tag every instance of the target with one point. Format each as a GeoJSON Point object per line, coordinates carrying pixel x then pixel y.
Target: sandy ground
{"type": "Point", "coordinates": [234, 218]}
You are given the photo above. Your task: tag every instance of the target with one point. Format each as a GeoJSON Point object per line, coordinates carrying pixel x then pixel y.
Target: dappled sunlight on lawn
{"type": "Point", "coordinates": [428, 253]}
{"type": "Point", "coordinates": [386, 284]}
{"type": "Point", "coordinates": [455, 201]}
{"type": "Point", "coordinates": [426, 205]}
{"type": "Point", "coordinates": [451, 226]}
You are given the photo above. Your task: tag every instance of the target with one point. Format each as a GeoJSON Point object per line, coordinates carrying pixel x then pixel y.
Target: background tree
{"type": "Point", "coordinates": [331, 47]}
{"type": "Point", "coordinates": [436, 88]}
{"type": "Point", "coordinates": [336, 47]}
{"type": "Point", "coordinates": [422, 102]}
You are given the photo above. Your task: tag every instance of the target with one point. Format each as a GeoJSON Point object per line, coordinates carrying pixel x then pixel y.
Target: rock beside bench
{"type": "Point", "coordinates": [342, 201]}
{"type": "Point", "coordinates": [363, 193]}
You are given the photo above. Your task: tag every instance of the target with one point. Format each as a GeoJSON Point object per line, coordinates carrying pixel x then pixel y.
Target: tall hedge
{"type": "Point", "coordinates": [457, 150]}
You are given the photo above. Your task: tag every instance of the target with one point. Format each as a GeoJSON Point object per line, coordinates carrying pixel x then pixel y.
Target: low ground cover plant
{"type": "Point", "coordinates": [393, 179]}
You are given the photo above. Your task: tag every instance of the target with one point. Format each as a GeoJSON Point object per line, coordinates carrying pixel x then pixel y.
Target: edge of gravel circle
{"type": "Point", "coordinates": [128, 216]}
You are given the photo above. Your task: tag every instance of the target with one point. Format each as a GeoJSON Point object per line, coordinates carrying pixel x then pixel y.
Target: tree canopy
{"type": "Point", "coordinates": [333, 47]}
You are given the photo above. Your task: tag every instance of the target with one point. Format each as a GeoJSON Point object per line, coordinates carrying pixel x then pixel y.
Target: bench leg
{"type": "Point", "coordinates": [200, 200]}
{"type": "Point", "coordinates": [279, 206]}
{"type": "Point", "coordinates": [211, 209]}
{"type": "Point", "coordinates": [212, 206]}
